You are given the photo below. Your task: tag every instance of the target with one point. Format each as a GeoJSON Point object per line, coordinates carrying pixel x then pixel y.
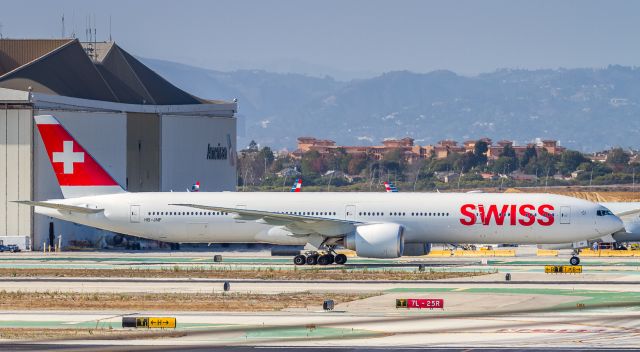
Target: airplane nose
{"type": "Point", "coordinates": [610, 224]}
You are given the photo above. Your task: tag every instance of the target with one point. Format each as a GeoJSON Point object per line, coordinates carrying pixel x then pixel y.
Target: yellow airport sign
{"type": "Point", "coordinates": [162, 323]}
{"type": "Point", "coordinates": [149, 322]}
{"type": "Point", "coordinates": [563, 269]}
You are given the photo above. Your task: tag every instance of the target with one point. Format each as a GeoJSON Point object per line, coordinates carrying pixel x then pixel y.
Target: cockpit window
{"type": "Point", "coordinates": [603, 212]}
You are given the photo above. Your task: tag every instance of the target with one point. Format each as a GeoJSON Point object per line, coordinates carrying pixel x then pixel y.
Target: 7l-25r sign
{"type": "Point", "coordinates": [507, 214]}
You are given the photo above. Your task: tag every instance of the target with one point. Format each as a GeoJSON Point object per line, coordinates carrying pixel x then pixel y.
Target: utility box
{"type": "Point", "coordinates": [328, 304]}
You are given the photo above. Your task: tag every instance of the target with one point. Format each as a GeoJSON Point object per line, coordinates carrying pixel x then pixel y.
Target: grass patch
{"type": "Point", "coordinates": [222, 272]}
{"type": "Point", "coordinates": [35, 334]}
{"type": "Point", "coordinates": [223, 301]}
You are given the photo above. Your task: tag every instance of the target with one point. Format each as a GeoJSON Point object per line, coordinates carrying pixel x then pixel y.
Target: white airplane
{"type": "Point", "coordinates": [375, 225]}
{"type": "Point", "coordinates": [628, 212]}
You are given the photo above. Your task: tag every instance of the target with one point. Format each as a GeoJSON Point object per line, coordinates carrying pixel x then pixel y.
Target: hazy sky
{"type": "Point", "coordinates": [350, 38]}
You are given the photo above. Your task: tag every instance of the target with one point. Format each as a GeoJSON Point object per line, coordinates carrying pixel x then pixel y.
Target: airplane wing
{"type": "Point", "coordinates": [627, 212]}
{"type": "Point", "coordinates": [297, 224]}
{"type": "Point", "coordinates": [62, 207]}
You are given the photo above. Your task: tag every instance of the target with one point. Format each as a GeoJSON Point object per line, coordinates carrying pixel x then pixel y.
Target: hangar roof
{"type": "Point", "coordinates": [94, 71]}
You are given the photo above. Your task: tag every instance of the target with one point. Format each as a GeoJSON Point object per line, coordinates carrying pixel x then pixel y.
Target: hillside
{"type": "Point", "coordinates": [586, 109]}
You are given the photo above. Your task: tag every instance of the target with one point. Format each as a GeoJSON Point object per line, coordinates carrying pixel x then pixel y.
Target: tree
{"type": "Point", "coordinates": [253, 146]}
{"type": "Point", "coordinates": [356, 165]}
{"type": "Point", "coordinates": [266, 154]}
{"type": "Point", "coordinates": [466, 162]}
{"type": "Point", "coordinates": [570, 160]}
{"type": "Point", "coordinates": [508, 151]}
{"type": "Point", "coordinates": [504, 165]}
{"type": "Point", "coordinates": [618, 156]}
{"type": "Point", "coordinates": [313, 164]}
{"type": "Point", "coordinates": [529, 154]}
{"type": "Point", "coordinates": [480, 152]}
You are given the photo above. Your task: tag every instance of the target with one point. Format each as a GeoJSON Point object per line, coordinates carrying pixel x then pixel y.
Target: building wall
{"type": "Point", "coordinates": [104, 136]}
{"type": "Point", "coordinates": [185, 142]}
{"type": "Point", "coordinates": [16, 176]}
{"type": "Point", "coordinates": [143, 152]}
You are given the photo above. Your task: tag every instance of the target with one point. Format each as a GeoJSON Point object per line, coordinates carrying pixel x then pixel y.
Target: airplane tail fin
{"type": "Point", "coordinates": [297, 186]}
{"type": "Point", "coordinates": [78, 173]}
{"type": "Point", "coordinates": [390, 187]}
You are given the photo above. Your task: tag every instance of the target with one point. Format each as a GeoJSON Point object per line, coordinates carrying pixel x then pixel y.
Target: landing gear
{"type": "Point", "coordinates": [340, 259]}
{"type": "Point", "coordinates": [326, 259]}
{"type": "Point", "coordinates": [574, 260]}
{"type": "Point", "coordinates": [312, 259]}
{"type": "Point", "coordinates": [299, 260]}
{"type": "Point", "coordinates": [323, 258]}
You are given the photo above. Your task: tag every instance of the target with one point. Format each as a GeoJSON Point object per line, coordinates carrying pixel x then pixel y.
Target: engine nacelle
{"type": "Point", "coordinates": [377, 241]}
{"type": "Point", "coordinates": [417, 249]}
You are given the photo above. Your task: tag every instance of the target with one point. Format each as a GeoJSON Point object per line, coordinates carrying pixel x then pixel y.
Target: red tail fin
{"type": "Point", "coordinates": [78, 173]}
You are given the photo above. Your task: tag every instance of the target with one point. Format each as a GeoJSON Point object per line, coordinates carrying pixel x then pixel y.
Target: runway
{"type": "Point", "coordinates": [597, 309]}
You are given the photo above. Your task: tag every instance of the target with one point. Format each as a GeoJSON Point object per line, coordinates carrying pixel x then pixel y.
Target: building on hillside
{"type": "Point", "coordinates": [409, 151]}
{"type": "Point", "coordinates": [412, 152]}
{"type": "Point", "coordinates": [147, 133]}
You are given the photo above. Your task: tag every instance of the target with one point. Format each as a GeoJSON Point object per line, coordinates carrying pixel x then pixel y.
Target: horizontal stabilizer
{"type": "Point", "coordinates": [58, 206]}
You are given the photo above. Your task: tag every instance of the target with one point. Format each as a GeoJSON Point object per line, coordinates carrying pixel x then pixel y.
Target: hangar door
{"type": "Point", "coordinates": [143, 152]}
{"type": "Point", "coordinates": [16, 136]}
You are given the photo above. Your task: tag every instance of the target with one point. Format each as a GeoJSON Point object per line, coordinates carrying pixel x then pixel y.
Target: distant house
{"type": "Point", "coordinates": [446, 176]}
{"type": "Point", "coordinates": [521, 176]}
{"type": "Point", "coordinates": [488, 176]}
{"type": "Point", "coordinates": [576, 174]}
{"type": "Point", "coordinates": [288, 172]}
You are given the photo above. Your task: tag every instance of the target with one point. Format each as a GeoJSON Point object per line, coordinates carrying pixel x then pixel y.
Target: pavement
{"type": "Point", "coordinates": [598, 309]}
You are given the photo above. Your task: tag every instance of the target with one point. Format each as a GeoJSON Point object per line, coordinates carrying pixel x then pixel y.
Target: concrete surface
{"type": "Point", "coordinates": [594, 310]}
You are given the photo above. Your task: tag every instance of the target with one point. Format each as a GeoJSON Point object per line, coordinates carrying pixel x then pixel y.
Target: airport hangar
{"type": "Point", "coordinates": [147, 133]}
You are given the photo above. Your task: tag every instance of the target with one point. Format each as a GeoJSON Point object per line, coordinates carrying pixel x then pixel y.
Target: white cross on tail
{"type": "Point", "coordinates": [68, 157]}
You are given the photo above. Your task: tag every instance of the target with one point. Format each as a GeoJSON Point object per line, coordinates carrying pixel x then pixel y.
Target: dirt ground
{"type": "Point", "coordinates": [72, 333]}
{"type": "Point", "coordinates": [214, 272]}
{"type": "Point", "coordinates": [221, 301]}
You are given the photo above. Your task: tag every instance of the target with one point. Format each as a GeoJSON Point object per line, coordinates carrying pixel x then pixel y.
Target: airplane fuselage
{"type": "Point", "coordinates": [426, 217]}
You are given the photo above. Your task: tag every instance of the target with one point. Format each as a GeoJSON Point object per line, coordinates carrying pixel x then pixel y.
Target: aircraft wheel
{"type": "Point", "coordinates": [312, 260]}
{"type": "Point", "coordinates": [299, 260]}
{"type": "Point", "coordinates": [574, 260]}
{"type": "Point", "coordinates": [331, 257]}
{"type": "Point", "coordinates": [341, 259]}
{"type": "Point", "coordinates": [325, 259]}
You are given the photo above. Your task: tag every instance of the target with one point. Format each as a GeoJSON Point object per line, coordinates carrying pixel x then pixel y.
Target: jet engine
{"type": "Point", "coordinates": [417, 249]}
{"type": "Point", "coordinates": [377, 241]}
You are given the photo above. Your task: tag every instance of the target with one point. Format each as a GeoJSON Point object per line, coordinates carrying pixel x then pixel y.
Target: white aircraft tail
{"type": "Point", "coordinates": [78, 173]}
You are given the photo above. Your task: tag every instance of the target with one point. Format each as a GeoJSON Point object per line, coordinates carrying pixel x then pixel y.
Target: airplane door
{"type": "Point", "coordinates": [350, 212]}
{"type": "Point", "coordinates": [134, 213]}
{"type": "Point", "coordinates": [565, 215]}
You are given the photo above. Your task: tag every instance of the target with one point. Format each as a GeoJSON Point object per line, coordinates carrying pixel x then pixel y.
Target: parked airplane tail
{"type": "Point", "coordinates": [195, 187]}
{"type": "Point", "coordinates": [390, 187]}
{"type": "Point", "coordinates": [78, 173]}
{"type": "Point", "coordinates": [297, 186]}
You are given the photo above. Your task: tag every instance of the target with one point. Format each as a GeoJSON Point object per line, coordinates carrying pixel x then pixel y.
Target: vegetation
{"type": "Point", "coordinates": [227, 272]}
{"type": "Point", "coordinates": [214, 301]}
{"type": "Point", "coordinates": [260, 169]}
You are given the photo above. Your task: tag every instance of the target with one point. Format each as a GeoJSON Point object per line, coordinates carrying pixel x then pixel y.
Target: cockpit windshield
{"type": "Point", "coordinates": [604, 212]}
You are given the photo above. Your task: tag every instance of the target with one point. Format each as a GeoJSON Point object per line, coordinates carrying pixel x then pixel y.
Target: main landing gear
{"type": "Point", "coordinates": [318, 258]}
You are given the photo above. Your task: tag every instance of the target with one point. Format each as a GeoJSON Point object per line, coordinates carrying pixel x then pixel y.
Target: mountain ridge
{"type": "Point", "coordinates": [513, 104]}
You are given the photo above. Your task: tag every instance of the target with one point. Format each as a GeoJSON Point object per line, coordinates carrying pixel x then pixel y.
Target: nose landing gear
{"type": "Point", "coordinates": [575, 260]}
